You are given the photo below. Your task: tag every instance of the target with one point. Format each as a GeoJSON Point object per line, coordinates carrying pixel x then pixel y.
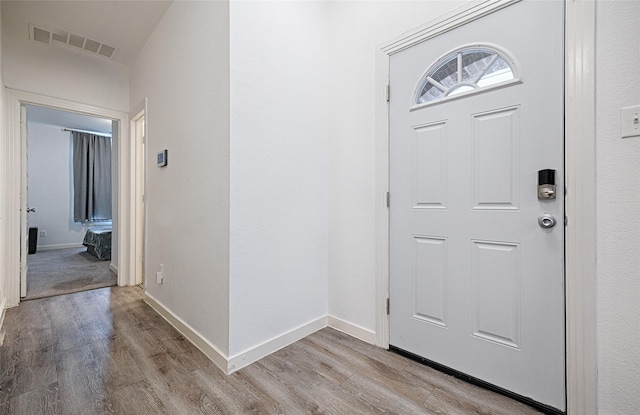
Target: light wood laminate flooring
{"type": "Point", "coordinates": [106, 352]}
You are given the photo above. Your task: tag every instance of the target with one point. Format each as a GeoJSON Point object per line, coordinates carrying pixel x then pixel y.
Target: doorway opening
{"type": "Point", "coordinates": [123, 222]}
{"type": "Point", "coordinates": [65, 249]}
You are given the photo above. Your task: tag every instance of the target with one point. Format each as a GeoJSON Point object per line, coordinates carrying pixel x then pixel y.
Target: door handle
{"type": "Point", "coordinates": [547, 221]}
{"type": "Point", "coordinates": [31, 210]}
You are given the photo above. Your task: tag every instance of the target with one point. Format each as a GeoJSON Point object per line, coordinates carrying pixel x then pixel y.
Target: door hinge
{"type": "Point", "coordinates": [388, 305]}
{"type": "Point", "coordinates": [388, 93]}
{"type": "Point", "coordinates": [388, 199]}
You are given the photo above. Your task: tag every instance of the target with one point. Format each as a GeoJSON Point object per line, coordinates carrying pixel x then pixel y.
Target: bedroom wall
{"type": "Point", "coordinates": [617, 208]}
{"type": "Point", "coordinates": [183, 70]}
{"type": "Point", "coordinates": [356, 29]}
{"type": "Point", "coordinates": [279, 162]}
{"type": "Point", "coordinates": [49, 171]}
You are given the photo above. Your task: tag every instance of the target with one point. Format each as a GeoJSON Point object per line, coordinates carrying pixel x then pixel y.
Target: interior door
{"type": "Point", "coordinates": [476, 267]}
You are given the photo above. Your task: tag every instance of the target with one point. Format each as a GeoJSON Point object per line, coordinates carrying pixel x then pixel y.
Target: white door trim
{"type": "Point", "coordinates": [580, 202]}
{"type": "Point", "coordinates": [580, 177]}
{"type": "Point", "coordinates": [140, 185]}
{"type": "Point", "coordinates": [12, 159]}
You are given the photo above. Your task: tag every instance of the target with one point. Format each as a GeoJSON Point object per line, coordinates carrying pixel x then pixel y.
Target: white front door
{"type": "Point", "coordinates": [476, 283]}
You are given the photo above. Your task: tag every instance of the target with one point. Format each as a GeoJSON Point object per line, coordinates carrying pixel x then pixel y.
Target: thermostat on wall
{"type": "Point", "coordinates": [162, 158]}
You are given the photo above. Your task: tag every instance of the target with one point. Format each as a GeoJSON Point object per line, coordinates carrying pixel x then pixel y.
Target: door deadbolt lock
{"type": "Point", "coordinates": [547, 221]}
{"type": "Point", "coordinates": [546, 184]}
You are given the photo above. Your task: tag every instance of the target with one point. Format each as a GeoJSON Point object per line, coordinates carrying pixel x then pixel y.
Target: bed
{"type": "Point", "coordinates": [98, 242]}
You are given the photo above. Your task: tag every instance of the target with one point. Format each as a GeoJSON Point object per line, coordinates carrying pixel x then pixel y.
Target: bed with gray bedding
{"type": "Point", "coordinates": [98, 242]}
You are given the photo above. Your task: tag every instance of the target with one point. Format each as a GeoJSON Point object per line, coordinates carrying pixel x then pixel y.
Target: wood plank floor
{"type": "Point", "coordinates": [106, 352]}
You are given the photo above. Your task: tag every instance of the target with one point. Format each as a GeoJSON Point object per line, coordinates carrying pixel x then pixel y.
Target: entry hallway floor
{"type": "Point", "coordinates": [106, 352]}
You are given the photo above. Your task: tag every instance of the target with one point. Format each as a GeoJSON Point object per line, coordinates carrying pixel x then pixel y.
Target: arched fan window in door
{"type": "Point", "coordinates": [466, 70]}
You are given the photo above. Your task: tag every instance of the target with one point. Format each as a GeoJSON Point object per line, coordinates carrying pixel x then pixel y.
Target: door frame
{"type": "Point", "coordinates": [24, 203]}
{"type": "Point", "coordinates": [139, 141]}
{"type": "Point", "coordinates": [580, 323]}
{"type": "Point", "coordinates": [12, 160]}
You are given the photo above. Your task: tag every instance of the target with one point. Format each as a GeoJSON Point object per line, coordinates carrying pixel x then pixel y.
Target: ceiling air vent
{"type": "Point", "coordinates": [40, 34]}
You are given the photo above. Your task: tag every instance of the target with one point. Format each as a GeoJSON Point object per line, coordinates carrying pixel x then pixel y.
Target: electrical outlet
{"type": "Point", "coordinates": [630, 122]}
{"type": "Point", "coordinates": [160, 275]}
{"type": "Point", "coordinates": [43, 233]}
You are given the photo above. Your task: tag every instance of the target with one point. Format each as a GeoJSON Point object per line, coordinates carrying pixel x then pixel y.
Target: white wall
{"type": "Point", "coordinates": [49, 170]}
{"type": "Point", "coordinates": [279, 114]}
{"type": "Point", "coordinates": [183, 70]}
{"type": "Point", "coordinates": [355, 30]}
{"type": "Point", "coordinates": [618, 209]}
{"type": "Point", "coordinates": [62, 73]}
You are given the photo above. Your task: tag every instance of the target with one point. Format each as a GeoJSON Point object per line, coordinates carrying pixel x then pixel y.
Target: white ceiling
{"type": "Point", "coordinates": [64, 119]}
{"type": "Point", "coordinates": [125, 25]}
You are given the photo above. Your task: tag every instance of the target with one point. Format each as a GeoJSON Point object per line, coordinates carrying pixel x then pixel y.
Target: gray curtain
{"type": "Point", "coordinates": [91, 177]}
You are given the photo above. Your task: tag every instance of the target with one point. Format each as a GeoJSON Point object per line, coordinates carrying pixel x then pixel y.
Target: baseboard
{"type": "Point", "coordinates": [256, 353]}
{"type": "Point", "coordinates": [3, 304]}
{"type": "Point", "coordinates": [245, 358]}
{"type": "Point", "coordinates": [353, 330]}
{"type": "Point", "coordinates": [113, 268]}
{"type": "Point", "coordinates": [230, 365]}
{"type": "Point", "coordinates": [206, 347]}
{"type": "Point", "coordinates": [58, 246]}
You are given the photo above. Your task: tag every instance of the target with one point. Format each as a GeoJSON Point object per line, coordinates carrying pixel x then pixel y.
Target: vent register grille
{"type": "Point", "coordinates": [49, 37]}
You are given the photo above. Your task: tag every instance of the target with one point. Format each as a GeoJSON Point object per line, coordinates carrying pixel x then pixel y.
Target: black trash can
{"type": "Point", "coordinates": [33, 240]}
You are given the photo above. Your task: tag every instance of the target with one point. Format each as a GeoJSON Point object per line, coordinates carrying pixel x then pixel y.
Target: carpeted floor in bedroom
{"type": "Point", "coordinates": [64, 271]}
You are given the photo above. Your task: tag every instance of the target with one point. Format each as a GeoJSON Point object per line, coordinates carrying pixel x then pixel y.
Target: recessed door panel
{"type": "Point", "coordinates": [496, 159]}
{"type": "Point", "coordinates": [430, 279]}
{"type": "Point", "coordinates": [496, 292]}
{"type": "Point", "coordinates": [429, 161]}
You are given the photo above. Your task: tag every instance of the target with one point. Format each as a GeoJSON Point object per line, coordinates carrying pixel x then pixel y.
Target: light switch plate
{"type": "Point", "coordinates": [630, 122]}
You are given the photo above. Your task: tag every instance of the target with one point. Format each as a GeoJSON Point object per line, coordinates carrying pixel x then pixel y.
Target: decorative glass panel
{"type": "Point", "coordinates": [430, 93]}
{"type": "Point", "coordinates": [465, 71]}
{"type": "Point", "coordinates": [500, 71]}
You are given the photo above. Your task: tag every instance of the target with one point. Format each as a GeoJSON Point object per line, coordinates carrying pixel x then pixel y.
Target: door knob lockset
{"type": "Point", "coordinates": [547, 221]}
{"type": "Point", "coordinates": [546, 184]}
{"type": "Point", "coordinates": [31, 210]}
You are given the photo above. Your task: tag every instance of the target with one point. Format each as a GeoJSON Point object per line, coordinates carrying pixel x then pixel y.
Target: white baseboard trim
{"type": "Point", "coordinates": [245, 358]}
{"type": "Point", "coordinates": [206, 347]}
{"type": "Point", "coordinates": [113, 268]}
{"type": "Point", "coordinates": [256, 353]}
{"type": "Point", "coordinates": [353, 330]}
{"type": "Point", "coordinates": [58, 246]}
